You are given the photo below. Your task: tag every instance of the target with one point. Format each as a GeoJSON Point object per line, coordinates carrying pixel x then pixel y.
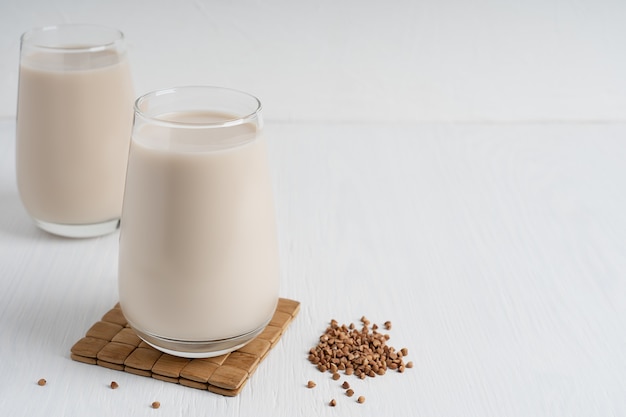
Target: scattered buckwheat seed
{"type": "Point", "coordinates": [156, 404]}
{"type": "Point", "coordinates": [114, 385]}
{"type": "Point", "coordinates": [42, 382]}
{"type": "Point", "coordinates": [362, 352]}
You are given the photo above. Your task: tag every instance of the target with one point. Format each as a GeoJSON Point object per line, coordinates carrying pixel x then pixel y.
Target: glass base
{"type": "Point", "coordinates": [79, 230]}
{"type": "Point", "coordinates": [198, 349]}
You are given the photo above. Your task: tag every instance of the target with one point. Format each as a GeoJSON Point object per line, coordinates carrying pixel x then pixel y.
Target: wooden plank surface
{"type": "Point", "coordinates": [497, 251]}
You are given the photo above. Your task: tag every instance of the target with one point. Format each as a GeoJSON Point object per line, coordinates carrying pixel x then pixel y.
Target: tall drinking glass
{"type": "Point", "coordinates": [74, 119]}
{"type": "Point", "coordinates": [198, 261]}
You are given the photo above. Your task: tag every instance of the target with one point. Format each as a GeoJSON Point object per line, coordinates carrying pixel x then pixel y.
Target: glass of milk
{"type": "Point", "coordinates": [74, 120]}
{"type": "Point", "coordinates": [198, 260]}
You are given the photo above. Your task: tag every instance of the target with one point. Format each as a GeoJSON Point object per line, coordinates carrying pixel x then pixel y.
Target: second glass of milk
{"type": "Point", "coordinates": [74, 119]}
{"type": "Point", "coordinates": [198, 260]}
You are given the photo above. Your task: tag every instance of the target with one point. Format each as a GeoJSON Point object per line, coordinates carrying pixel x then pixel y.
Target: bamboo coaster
{"type": "Point", "coordinates": [110, 343]}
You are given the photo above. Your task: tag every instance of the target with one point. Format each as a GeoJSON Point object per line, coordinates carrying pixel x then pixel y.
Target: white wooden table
{"type": "Point", "coordinates": [497, 251]}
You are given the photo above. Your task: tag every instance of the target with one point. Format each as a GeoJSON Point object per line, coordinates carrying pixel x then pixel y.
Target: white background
{"type": "Point", "coordinates": [364, 60]}
{"type": "Point", "coordinates": [457, 167]}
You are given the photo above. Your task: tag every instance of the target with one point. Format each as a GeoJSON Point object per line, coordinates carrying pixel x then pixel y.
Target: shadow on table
{"type": "Point", "coordinates": [14, 220]}
{"type": "Point", "coordinates": [36, 316]}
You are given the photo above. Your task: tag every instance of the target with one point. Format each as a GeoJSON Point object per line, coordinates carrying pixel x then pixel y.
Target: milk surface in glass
{"type": "Point", "coordinates": [198, 251]}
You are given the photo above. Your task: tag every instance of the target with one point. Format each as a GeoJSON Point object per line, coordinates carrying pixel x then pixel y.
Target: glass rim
{"type": "Point", "coordinates": [116, 37]}
{"type": "Point", "coordinates": [239, 120]}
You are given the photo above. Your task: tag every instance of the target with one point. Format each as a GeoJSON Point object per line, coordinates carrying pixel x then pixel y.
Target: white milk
{"type": "Point", "coordinates": [198, 250]}
{"type": "Point", "coordinates": [73, 133]}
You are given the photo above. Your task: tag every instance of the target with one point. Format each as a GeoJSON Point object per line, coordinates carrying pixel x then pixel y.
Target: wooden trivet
{"type": "Point", "coordinates": [111, 343]}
